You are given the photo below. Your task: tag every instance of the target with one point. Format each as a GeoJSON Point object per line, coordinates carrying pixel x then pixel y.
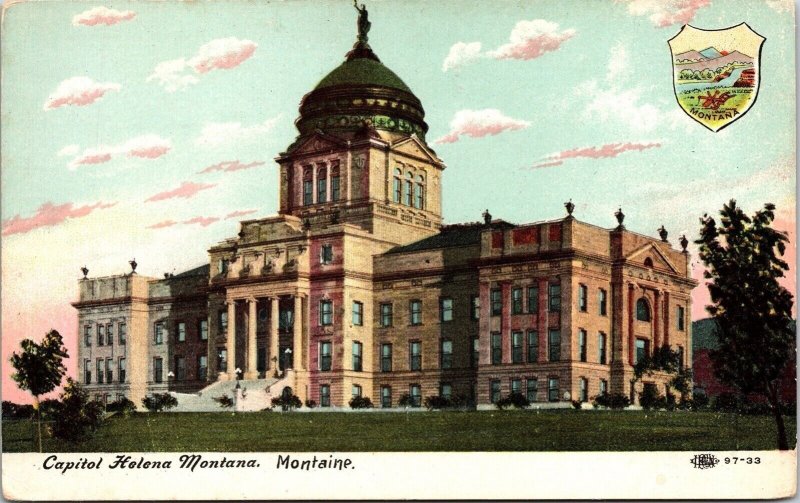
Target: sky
{"type": "Point", "coordinates": [147, 130]}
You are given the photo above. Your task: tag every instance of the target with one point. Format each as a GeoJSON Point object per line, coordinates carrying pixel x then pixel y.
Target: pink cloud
{"type": "Point", "coordinates": [185, 191]}
{"type": "Point", "coordinates": [531, 39]}
{"type": "Point", "coordinates": [239, 213]}
{"type": "Point", "coordinates": [604, 151]}
{"type": "Point", "coordinates": [78, 91]}
{"type": "Point", "coordinates": [49, 215]}
{"type": "Point", "coordinates": [480, 123]}
{"type": "Point", "coordinates": [663, 13]}
{"type": "Point", "coordinates": [91, 158]}
{"type": "Point", "coordinates": [203, 221]}
{"type": "Point", "coordinates": [148, 146]}
{"type": "Point", "coordinates": [222, 54]}
{"type": "Point", "coordinates": [162, 225]}
{"type": "Point", "coordinates": [231, 166]}
{"type": "Point", "coordinates": [102, 15]}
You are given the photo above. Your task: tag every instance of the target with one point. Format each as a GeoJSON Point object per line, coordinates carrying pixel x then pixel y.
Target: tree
{"type": "Point", "coordinates": [667, 360]}
{"type": "Point", "coordinates": [39, 369]}
{"type": "Point", "coordinates": [752, 310]}
{"type": "Point", "coordinates": [78, 417]}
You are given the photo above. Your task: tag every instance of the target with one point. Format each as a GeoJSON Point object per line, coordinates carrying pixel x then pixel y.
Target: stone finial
{"type": "Point", "coordinates": [487, 217]}
{"type": "Point", "coordinates": [684, 243]}
{"type": "Point", "coordinates": [85, 271]}
{"type": "Point", "coordinates": [663, 233]}
{"type": "Point", "coordinates": [570, 207]}
{"type": "Point", "coordinates": [620, 218]}
{"type": "Point", "coordinates": [133, 265]}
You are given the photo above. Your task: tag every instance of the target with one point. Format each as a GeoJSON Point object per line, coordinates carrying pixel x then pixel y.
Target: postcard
{"type": "Point", "coordinates": [383, 249]}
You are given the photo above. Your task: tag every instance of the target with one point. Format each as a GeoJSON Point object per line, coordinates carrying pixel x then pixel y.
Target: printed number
{"type": "Point", "coordinates": [749, 461]}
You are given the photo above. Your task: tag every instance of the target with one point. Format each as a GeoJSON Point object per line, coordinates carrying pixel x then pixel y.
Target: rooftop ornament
{"type": "Point", "coordinates": [620, 218]}
{"type": "Point", "coordinates": [85, 271]}
{"type": "Point", "coordinates": [133, 265]}
{"type": "Point", "coordinates": [663, 233]}
{"type": "Point", "coordinates": [487, 217]}
{"type": "Point", "coordinates": [684, 243]}
{"type": "Point", "coordinates": [570, 207]}
{"type": "Point", "coordinates": [363, 22]}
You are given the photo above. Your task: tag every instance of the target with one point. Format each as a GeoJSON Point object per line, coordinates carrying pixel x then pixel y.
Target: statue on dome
{"type": "Point", "coordinates": [363, 21]}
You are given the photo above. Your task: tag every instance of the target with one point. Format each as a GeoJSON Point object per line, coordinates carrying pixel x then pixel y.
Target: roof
{"type": "Point", "coordinates": [363, 72]}
{"type": "Point", "coordinates": [449, 236]}
{"type": "Point", "coordinates": [203, 270]}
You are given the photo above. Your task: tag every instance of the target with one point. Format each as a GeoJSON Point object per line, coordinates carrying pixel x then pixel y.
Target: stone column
{"type": "Point", "coordinates": [656, 312]}
{"type": "Point", "coordinates": [297, 336]}
{"type": "Point", "coordinates": [231, 341]}
{"type": "Point", "coordinates": [543, 312]}
{"type": "Point", "coordinates": [505, 320]}
{"type": "Point", "coordinates": [631, 307]}
{"type": "Point", "coordinates": [666, 318]}
{"type": "Point", "coordinates": [252, 350]}
{"type": "Point", "coordinates": [274, 357]}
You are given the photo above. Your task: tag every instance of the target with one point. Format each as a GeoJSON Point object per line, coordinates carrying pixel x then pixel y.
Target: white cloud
{"type": "Point", "coordinates": [618, 64]}
{"type": "Point", "coordinates": [460, 54]}
{"type": "Point", "coordinates": [215, 134]}
{"type": "Point", "coordinates": [663, 13]}
{"type": "Point", "coordinates": [69, 150]}
{"type": "Point", "coordinates": [220, 54]}
{"type": "Point", "coordinates": [171, 75]}
{"type": "Point", "coordinates": [616, 104]}
{"type": "Point", "coordinates": [78, 91]}
{"type": "Point", "coordinates": [781, 5]}
{"type": "Point", "coordinates": [480, 123]}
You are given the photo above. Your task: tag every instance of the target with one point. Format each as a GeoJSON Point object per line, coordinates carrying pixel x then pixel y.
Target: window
{"type": "Point", "coordinates": [680, 355]}
{"type": "Point", "coordinates": [446, 390]}
{"type": "Point", "coordinates": [416, 395]}
{"type": "Point", "coordinates": [387, 315]}
{"type": "Point", "coordinates": [358, 313]}
{"type": "Point", "coordinates": [476, 354]}
{"type": "Point", "coordinates": [110, 334]}
{"type": "Point", "coordinates": [123, 333]}
{"type": "Point", "coordinates": [409, 189]}
{"type": "Point", "coordinates": [324, 395]}
{"type": "Point", "coordinates": [494, 392]}
{"type": "Point", "coordinates": [358, 349]}
{"type": "Point", "coordinates": [601, 348]}
{"type": "Point", "coordinates": [325, 353]}
{"type": "Point", "coordinates": [87, 335]}
{"type": "Point", "coordinates": [203, 330]}
{"type": "Point", "coordinates": [446, 309]}
{"type": "Point", "coordinates": [532, 389]}
{"type": "Point", "coordinates": [308, 193]}
{"type": "Point", "coordinates": [648, 262]}
{"type": "Point", "coordinates": [386, 357]}
{"type": "Point", "coordinates": [475, 307]}
{"type": "Point", "coordinates": [603, 386]}
{"type": "Point", "coordinates": [554, 344]}
{"type": "Point", "coordinates": [533, 299]}
{"type": "Point", "coordinates": [642, 349]}
{"type": "Point", "coordinates": [642, 310]}
{"type": "Point", "coordinates": [416, 312]}
{"type": "Point", "coordinates": [109, 370]}
{"type": "Point", "coordinates": [222, 360]}
{"type": "Point", "coordinates": [158, 333]}
{"type": "Point", "coordinates": [582, 344]}
{"type": "Point", "coordinates": [101, 334]}
{"type": "Point", "coordinates": [497, 302]}
{"type": "Point", "coordinates": [326, 254]}
{"type": "Point", "coordinates": [516, 347]}
{"type": "Point", "coordinates": [415, 355]}
{"type": "Point", "coordinates": [158, 368]}
{"type": "Point", "coordinates": [100, 371]}
{"type": "Point", "coordinates": [335, 190]}
{"type": "Point", "coordinates": [554, 298]}
{"type": "Point", "coordinates": [397, 187]}
{"type": "Point", "coordinates": [355, 392]}
{"type": "Point", "coordinates": [584, 390]}
{"type": "Point", "coordinates": [552, 389]}
{"type": "Point", "coordinates": [180, 368]}
{"type": "Point", "coordinates": [386, 396]}
{"type": "Point", "coordinates": [87, 371]}
{"type": "Point", "coordinates": [681, 318]}
{"type": "Point", "coordinates": [516, 386]}
{"type": "Point", "coordinates": [419, 195]}
{"type": "Point", "coordinates": [325, 312]}
{"type": "Point", "coordinates": [223, 321]}
{"type": "Point", "coordinates": [497, 348]}
{"type": "Point", "coordinates": [602, 300]}
{"type": "Point", "coordinates": [582, 298]}
{"type": "Point", "coordinates": [516, 301]}
{"type": "Point", "coordinates": [322, 186]}
{"type": "Point", "coordinates": [202, 367]}
{"type": "Point", "coordinates": [533, 346]}
{"type": "Point", "coordinates": [447, 354]}
{"type": "Point", "coordinates": [181, 331]}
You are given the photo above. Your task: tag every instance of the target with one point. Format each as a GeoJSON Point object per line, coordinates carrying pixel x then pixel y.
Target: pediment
{"type": "Point", "coordinates": [651, 251]}
{"type": "Point", "coordinates": [412, 146]}
{"type": "Point", "coordinates": [317, 143]}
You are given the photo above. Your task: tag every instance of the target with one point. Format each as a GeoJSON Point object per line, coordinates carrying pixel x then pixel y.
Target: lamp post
{"type": "Point", "coordinates": [287, 355]}
{"type": "Point", "coordinates": [170, 376]}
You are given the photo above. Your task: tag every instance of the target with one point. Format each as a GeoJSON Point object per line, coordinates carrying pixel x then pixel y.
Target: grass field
{"type": "Point", "coordinates": [553, 430]}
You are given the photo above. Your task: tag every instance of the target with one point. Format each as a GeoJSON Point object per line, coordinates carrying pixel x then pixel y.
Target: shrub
{"type": "Point", "coordinates": [360, 402]}
{"type": "Point", "coordinates": [49, 408]}
{"type": "Point", "coordinates": [406, 401]}
{"type": "Point", "coordinates": [699, 401]}
{"type": "Point", "coordinates": [159, 402]}
{"type": "Point", "coordinates": [12, 410]}
{"type": "Point", "coordinates": [287, 402]}
{"type": "Point", "coordinates": [649, 398]}
{"type": "Point", "coordinates": [78, 417]}
{"type": "Point", "coordinates": [311, 404]}
{"type": "Point", "coordinates": [576, 404]}
{"type": "Point", "coordinates": [436, 402]}
{"type": "Point", "coordinates": [611, 401]}
{"type": "Point", "coordinates": [458, 401]}
{"type": "Point", "coordinates": [726, 402]}
{"type": "Point", "coordinates": [517, 400]}
{"type": "Point", "coordinates": [123, 406]}
{"type": "Point", "coordinates": [224, 401]}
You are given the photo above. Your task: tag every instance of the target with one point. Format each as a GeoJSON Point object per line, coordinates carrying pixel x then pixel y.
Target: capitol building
{"type": "Point", "coordinates": [355, 288]}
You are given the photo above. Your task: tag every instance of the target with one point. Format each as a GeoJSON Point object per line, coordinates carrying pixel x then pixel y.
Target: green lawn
{"type": "Point", "coordinates": [553, 430]}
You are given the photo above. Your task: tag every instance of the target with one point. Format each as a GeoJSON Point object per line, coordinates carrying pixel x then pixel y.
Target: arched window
{"type": "Point", "coordinates": [642, 310]}
{"type": "Point", "coordinates": [335, 183]}
{"type": "Point", "coordinates": [648, 262]}
{"type": "Point", "coordinates": [322, 185]}
{"type": "Point", "coordinates": [398, 186]}
{"type": "Point", "coordinates": [409, 188]}
{"type": "Point", "coordinates": [419, 194]}
{"type": "Point", "coordinates": [308, 186]}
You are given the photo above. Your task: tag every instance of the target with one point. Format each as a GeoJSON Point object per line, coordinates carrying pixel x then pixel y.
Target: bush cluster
{"type": "Point", "coordinates": [159, 402]}
{"type": "Point", "coordinates": [13, 410]}
{"type": "Point", "coordinates": [611, 401]}
{"type": "Point", "coordinates": [360, 402]}
{"type": "Point", "coordinates": [287, 402]}
{"type": "Point", "coordinates": [442, 402]}
{"type": "Point", "coordinates": [77, 418]}
{"type": "Point", "coordinates": [123, 406]}
{"type": "Point", "coordinates": [517, 400]}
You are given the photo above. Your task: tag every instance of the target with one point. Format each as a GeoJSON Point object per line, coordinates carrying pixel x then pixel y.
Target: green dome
{"type": "Point", "coordinates": [363, 72]}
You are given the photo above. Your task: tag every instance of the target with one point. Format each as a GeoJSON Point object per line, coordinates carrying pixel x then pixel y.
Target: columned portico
{"type": "Point", "coordinates": [274, 357]}
{"type": "Point", "coordinates": [231, 340]}
{"type": "Point", "coordinates": [252, 349]}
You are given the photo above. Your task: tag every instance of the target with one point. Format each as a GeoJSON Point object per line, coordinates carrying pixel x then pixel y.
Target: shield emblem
{"type": "Point", "coordinates": [716, 73]}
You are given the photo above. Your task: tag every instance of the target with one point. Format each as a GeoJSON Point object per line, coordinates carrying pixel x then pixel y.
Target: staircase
{"type": "Point", "coordinates": [252, 395]}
